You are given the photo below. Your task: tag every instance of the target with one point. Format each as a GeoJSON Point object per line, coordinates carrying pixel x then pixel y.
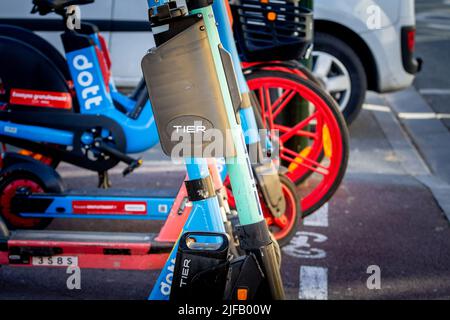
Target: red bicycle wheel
{"type": "Point", "coordinates": [292, 66]}
{"type": "Point", "coordinates": [325, 156]}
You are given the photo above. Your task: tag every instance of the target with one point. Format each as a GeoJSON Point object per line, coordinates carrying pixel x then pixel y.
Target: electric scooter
{"type": "Point", "coordinates": [190, 37]}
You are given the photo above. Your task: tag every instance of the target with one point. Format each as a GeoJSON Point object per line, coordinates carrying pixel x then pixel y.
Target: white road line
{"type": "Point", "coordinates": [313, 283]}
{"type": "Point", "coordinates": [438, 26]}
{"type": "Point", "coordinates": [313, 280]}
{"type": "Point", "coordinates": [376, 107]}
{"type": "Point", "coordinates": [318, 219]}
{"type": "Point", "coordinates": [423, 115]}
{"type": "Point", "coordinates": [435, 92]}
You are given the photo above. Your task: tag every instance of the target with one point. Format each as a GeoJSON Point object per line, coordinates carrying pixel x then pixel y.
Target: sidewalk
{"type": "Point", "coordinates": [433, 46]}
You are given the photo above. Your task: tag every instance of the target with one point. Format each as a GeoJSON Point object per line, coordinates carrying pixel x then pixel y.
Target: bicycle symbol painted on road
{"type": "Point", "coordinates": [302, 245]}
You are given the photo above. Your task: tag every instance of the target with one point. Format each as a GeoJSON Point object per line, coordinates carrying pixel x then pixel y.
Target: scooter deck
{"type": "Point", "coordinates": [126, 193]}
{"type": "Point", "coordinates": [118, 204]}
{"type": "Point", "coordinates": [96, 250]}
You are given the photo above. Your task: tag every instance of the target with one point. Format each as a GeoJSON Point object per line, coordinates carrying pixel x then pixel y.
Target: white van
{"type": "Point", "coordinates": [364, 44]}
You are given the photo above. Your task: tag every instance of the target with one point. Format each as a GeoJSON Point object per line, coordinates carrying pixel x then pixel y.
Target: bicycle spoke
{"type": "Point", "coordinates": [298, 127]}
{"type": "Point", "coordinates": [298, 133]}
{"type": "Point", "coordinates": [284, 100]}
{"type": "Point", "coordinates": [262, 103]}
{"type": "Point", "coordinates": [269, 106]}
{"type": "Point", "coordinates": [304, 159]}
{"type": "Point", "coordinates": [302, 164]}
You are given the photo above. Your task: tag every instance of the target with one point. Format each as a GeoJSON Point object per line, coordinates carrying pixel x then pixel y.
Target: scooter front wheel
{"type": "Point", "coordinates": [282, 228]}
{"type": "Point", "coordinates": [10, 183]}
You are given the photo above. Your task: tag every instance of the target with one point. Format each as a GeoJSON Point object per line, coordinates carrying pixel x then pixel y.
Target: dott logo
{"type": "Point", "coordinates": [166, 283]}
{"type": "Point", "coordinates": [85, 79]}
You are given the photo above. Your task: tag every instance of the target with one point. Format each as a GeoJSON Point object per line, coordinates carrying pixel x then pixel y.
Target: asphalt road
{"type": "Point", "coordinates": [433, 45]}
{"type": "Point", "coordinates": [381, 217]}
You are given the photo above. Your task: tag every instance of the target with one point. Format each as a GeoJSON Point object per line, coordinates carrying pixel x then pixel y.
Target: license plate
{"type": "Point", "coordinates": [55, 261]}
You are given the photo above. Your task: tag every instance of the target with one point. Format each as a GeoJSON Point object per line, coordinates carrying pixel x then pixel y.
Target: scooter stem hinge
{"type": "Point", "coordinates": [200, 189]}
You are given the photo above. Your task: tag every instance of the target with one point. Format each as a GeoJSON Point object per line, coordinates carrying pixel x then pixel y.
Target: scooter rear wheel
{"type": "Point", "coordinates": [284, 227]}
{"type": "Point", "coordinates": [10, 183]}
{"type": "Point", "coordinates": [324, 131]}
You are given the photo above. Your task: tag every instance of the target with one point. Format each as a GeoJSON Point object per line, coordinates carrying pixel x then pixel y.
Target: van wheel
{"type": "Point", "coordinates": [341, 72]}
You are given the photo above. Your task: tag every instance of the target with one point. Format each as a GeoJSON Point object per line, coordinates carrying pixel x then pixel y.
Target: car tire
{"type": "Point", "coordinates": [344, 64]}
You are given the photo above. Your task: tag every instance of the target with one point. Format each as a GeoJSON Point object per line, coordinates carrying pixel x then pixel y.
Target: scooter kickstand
{"type": "Point", "coordinates": [103, 180]}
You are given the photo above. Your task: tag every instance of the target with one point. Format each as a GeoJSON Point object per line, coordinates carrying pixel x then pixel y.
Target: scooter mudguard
{"type": "Point", "coordinates": [270, 186]}
{"type": "Point", "coordinates": [14, 162]}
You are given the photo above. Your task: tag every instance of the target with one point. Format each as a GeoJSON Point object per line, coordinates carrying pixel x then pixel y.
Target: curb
{"type": "Point", "coordinates": [414, 131]}
{"type": "Point", "coordinates": [428, 133]}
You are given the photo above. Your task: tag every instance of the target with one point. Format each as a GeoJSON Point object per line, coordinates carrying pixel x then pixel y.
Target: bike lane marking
{"type": "Point", "coordinates": [313, 283]}
{"type": "Point", "coordinates": [313, 279]}
{"type": "Point", "coordinates": [318, 219]}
